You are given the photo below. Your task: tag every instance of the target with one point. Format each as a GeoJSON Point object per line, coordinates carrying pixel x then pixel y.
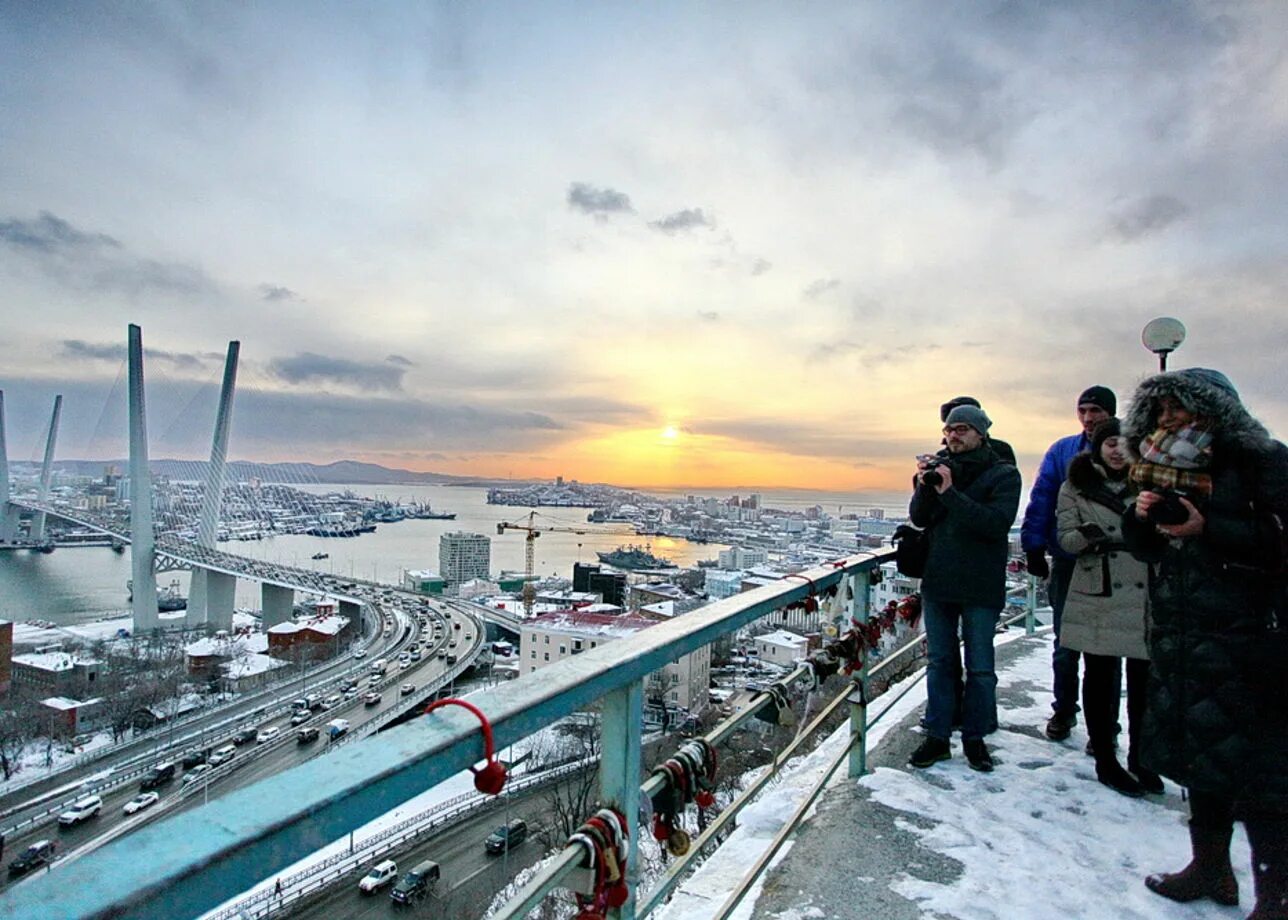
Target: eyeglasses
{"type": "Point", "coordinates": [958, 429]}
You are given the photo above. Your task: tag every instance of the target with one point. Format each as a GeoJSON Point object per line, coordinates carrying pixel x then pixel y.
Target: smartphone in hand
{"type": "Point", "coordinates": [1093, 532]}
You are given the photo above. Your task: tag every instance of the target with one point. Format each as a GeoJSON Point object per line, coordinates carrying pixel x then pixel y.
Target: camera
{"type": "Point", "coordinates": [930, 475]}
{"type": "Point", "coordinates": [1168, 509]}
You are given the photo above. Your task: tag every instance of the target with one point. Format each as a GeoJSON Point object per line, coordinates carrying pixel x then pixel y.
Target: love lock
{"type": "Point", "coordinates": [678, 843]}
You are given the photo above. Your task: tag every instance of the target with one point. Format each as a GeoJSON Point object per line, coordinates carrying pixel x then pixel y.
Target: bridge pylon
{"type": "Point", "coordinates": [210, 601]}
{"type": "Point", "coordinates": [143, 548]}
{"type": "Point", "coordinates": [8, 513]}
{"type": "Point", "coordinates": [47, 471]}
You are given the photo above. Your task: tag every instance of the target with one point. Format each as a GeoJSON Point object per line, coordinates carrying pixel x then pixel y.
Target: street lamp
{"type": "Point", "coordinates": [1163, 336]}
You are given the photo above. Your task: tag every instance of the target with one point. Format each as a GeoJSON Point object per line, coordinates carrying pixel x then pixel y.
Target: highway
{"type": "Point", "coordinates": [446, 632]}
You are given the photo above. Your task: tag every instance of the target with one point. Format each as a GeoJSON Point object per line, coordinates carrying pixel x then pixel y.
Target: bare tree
{"type": "Point", "coordinates": [18, 723]}
{"type": "Point", "coordinates": [570, 800]}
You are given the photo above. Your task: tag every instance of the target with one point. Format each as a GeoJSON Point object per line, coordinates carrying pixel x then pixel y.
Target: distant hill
{"type": "Point", "coordinates": [341, 471]}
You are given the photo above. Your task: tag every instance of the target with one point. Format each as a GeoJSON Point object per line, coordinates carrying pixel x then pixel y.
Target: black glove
{"type": "Point", "coordinates": [1093, 532]}
{"type": "Point", "coordinates": [1037, 564]}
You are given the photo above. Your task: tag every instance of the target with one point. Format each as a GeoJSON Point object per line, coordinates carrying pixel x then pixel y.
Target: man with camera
{"type": "Point", "coordinates": [966, 502]}
{"type": "Point", "coordinates": [1038, 537]}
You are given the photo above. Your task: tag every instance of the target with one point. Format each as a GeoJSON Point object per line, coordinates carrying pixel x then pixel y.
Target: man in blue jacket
{"type": "Point", "coordinates": [1038, 537]}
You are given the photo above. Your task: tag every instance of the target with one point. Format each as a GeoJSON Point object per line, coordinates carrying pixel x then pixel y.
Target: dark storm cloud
{"type": "Point", "coordinates": [275, 292]}
{"type": "Point", "coordinates": [75, 349]}
{"type": "Point", "coordinates": [687, 219]}
{"type": "Point", "coordinates": [598, 202]}
{"type": "Point", "coordinates": [400, 361]}
{"type": "Point", "coordinates": [809, 440]}
{"type": "Point", "coordinates": [1148, 215]}
{"type": "Point", "coordinates": [95, 261]}
{"type": "Point", "coordinates": [308, 367]}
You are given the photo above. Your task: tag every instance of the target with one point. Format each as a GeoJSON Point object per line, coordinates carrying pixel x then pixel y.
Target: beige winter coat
{"type": "Point", "coordinates": [1104, 613]}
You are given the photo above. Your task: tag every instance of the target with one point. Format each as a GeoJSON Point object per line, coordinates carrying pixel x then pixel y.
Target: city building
{"type": "Point", "coordinates": [6, 656]}
{"type": "Point", "coordinates": [423, 581]}
{"type": "Point", "coordinates": [464, 556]}
{"type": "Point", "coordinates": [54, 674]}
{"type": "Point", "coordinates": [741, 557]}
{"type": "Point", "coordinates": [322, 637]}
{"type": "Point", "coordinates": [720, 583]}
{"type": "Point", "coordinates": [65, 717]}
{"type": "Point", "coordinates": [780, 647]}
{"type": "Point", "coordinates": [552, 637]}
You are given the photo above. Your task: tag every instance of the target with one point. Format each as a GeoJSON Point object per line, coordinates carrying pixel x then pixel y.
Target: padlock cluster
{"type": "Point", "coordinates": [810, 603]}
{"type": "Point", "coordinates": [848, 652]}
{"type": "Point", "coordinates": [605, 839]}
{"type": "Point", "coordinates": [688, 777]}
{"type": "Point", "coordinates": [779, 711]}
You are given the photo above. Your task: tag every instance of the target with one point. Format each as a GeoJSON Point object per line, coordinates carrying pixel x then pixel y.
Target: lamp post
{"type": "Point", "coordinates": [1163, 336]}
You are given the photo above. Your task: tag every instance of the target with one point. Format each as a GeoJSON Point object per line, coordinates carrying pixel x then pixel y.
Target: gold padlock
{"type": "Point", "coordinates": [678, 843]}
{"type": "Point", "coordinates": [610, 864]}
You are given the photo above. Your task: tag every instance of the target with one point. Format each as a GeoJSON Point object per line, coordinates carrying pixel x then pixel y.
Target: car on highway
{"type": "Point", "coordinates": [404, 664]}
{"type": "Point", "coordinates": [306, 735]}
{"type": "Point", "coordinates": [194, 758]}
{"type": "Point", "coordinates": [407, 689]}
{"type": "Point", "coordinates": [371, 698]}
{"type": "Point", "coordinates": [161, 774]}
{"type": "Point", "coordinates": [337, 727]}
{"type": "Point", "coordinates": [415, 656]}
{"type": "Point", "coordinates": [442, 653]}
{"type": "Point", "coordinates": [141, 801]}
{"type": "Point", "coordinates": [81, 810]}
{"type": "Point", "coordinates": [222, 755]}
{"type": "Point", "coordinates": [245, 736]}
{"type": "Point", "coordinates": [456, 624]}
{"type": "Point", "coordinates": [196, 773]}
{"type": "Point", "coordinates": [34, 856]}
{"type": "Point", "coordinates": [415, 884]}
{"type": "Point", "coordinates": [451, 659]}
{"type": "Point", "coordinates": [267, 734]}
{"type": "Point", "coordinates": [360, 653]}
{"type": "Point", "coordinates": [332, 701]}
{"type": "Point", "coordinates": [301, 716]}
{"type": "Point", "coordinates": [507, 836]}
{"type": "Point", "coordinates": [378, 876]}
{"type": "Point", "coordinates": [351, 692]}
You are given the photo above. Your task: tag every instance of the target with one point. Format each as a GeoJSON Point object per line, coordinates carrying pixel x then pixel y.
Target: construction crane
{"type": "Point", "coordinates": [532, 531]}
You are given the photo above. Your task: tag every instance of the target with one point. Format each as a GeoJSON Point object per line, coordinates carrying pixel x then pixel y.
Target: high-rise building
{"type": "Point", "coordinates": [463, 556]}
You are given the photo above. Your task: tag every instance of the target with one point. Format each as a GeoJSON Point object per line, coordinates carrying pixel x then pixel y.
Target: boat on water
{"type": "Point", "coordinates": [168, 599]}
{"type": "Point", "coordinates": [633, 557]}
{"type": "Point", "coordinates": [321, 556]}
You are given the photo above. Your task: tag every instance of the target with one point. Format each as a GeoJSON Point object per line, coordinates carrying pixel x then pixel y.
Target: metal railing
{"type": "Point", "coordinates": [188, 863]}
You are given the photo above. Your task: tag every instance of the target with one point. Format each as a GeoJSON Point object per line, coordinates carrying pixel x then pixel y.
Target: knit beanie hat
{"type": "Point", "coordinates": [1099, 396]}
{"type": "Point", "coordinates": [954, 403]}
{"type": "Point", "coordinates": [1211, 378]}
{"type": "Point", "coordinates": [1109, 428]}
{"type": "Point", "coordinates": [969, 415]}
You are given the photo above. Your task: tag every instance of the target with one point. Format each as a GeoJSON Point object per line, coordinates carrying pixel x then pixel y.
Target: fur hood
{"type": "Point", "coordinates": [1204, 392]}
{"type": "Point", "coordinates": [1086, 475]}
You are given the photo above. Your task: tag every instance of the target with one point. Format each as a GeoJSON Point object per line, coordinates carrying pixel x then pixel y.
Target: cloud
{"type": "Point", "coordinates": [709, 316]}
{"type": "Point", "coordinates": [308, 367]}
{"type": "Point", "coordinates": [598, 202]}
{"type": "Point", "coordinates": [400, 361]}
{"type": "Point", "coordinates": [680, 221]}
{"type": "Point", "coordinates": [820, 286]}
{"type": "Point", "coordinates": [811, 440]}
{"type": "Point", "coordinates": [759, 266]}
{"type": "Point", "coordinates": [275, 292]}
{"type": "Point", "coordinates": [75, 349]}
{"type": "Point", "coordinates": [96, 261]}
{"type": "Point", "coordinates": [1144, 216]}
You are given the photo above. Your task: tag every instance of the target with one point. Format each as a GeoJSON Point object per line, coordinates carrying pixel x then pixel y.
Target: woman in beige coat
{"type": "Point", "coordinates": [1104, 615]}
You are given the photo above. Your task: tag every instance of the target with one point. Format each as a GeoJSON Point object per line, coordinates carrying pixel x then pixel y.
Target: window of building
{"type": "Point", "coordinates": [563, 650]}
{"type": "Point", "coordinates": [534, 653]}
{"type": "Point", "coordinates": [593, 644]}
{"type": "Point", "coordinates": [547, 640]}
{"type": "Point", "coordinates": [547, 656]}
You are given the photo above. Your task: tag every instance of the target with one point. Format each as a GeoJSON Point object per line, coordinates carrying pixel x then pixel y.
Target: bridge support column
{"type": "Point", "coordinates": [354, 613]}
{"type": "Point", "coordinates": [197, 600]}
{"type": "Point", "coordinates": [278, 604]}
{"type": "Point", "coordinates": [221, 591]}
{"type": "Point", "coordinates": [47, 472]}
{"type": "Point", "coordinates": [8, 513]}
{"type": "Point", "coordinates": [143, 548]}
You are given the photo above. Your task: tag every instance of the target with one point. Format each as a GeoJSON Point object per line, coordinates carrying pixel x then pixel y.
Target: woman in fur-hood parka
{"type": "Point", "coordinates": [1217, 715]}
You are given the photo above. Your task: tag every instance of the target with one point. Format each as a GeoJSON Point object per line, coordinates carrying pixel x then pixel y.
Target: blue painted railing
{"type": "Point", "coordinates": [188, 864]}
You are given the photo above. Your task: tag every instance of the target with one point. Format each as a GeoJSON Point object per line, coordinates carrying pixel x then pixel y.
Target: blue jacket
{"type": "Point", "coordinates": [1038, 532]}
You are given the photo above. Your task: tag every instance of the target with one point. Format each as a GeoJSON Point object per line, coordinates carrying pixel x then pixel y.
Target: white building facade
{"type": "Point", "coordinates": [464, 556]}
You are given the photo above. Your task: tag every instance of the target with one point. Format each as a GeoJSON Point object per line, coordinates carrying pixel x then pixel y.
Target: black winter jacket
{"type": "Point", "coordinates": [968, 528]}
{"type": "Point", "coordinates": [1217, 716]}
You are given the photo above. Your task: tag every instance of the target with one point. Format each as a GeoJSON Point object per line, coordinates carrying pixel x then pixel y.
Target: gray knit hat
{"type": "Point", "coordinates": [970, 415]}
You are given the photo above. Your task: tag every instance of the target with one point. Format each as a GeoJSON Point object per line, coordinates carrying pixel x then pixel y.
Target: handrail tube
{"type": "Point", "coordinates": [275, 822]}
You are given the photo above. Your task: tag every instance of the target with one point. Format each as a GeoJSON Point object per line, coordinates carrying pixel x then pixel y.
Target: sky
{"type": "Point", "coordinates": [651, 244]}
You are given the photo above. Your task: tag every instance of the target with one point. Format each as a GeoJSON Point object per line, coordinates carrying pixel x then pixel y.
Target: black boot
{"type": "Point", "coordinates": [1209, 874]}
{"type": "Point", "coordinates": [930, 752]}
{"type": "Point", "coordinates": [1150, 781]}
{"type": "Point", "coordinates": [1269, 840]}
{"type": "Point", "coordinates": [1111, 773]}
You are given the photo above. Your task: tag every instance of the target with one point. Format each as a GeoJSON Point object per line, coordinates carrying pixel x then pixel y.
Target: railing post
{"type": "Point", "coordinates": [621, 720]}
{"type": "Point", "coordinates": [860, 605]}
{"type": "Point", "coordinates": [1030, 605]}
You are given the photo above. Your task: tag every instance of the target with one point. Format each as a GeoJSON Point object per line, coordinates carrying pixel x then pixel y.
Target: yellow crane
{"type": "Point", "coordinates": [531, 532]}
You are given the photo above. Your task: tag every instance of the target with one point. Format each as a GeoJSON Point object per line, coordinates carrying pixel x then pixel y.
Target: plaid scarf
{"type": "Point", "coordinates": [1175, 461]}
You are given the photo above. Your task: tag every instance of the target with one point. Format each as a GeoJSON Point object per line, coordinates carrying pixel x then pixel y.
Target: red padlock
{"type": "Point", "coordinates": [490, 778]}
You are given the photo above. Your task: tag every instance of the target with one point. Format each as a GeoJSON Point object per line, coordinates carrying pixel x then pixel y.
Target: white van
{"type": "Point", "coordinates": [379, 666]}
{"type": "Point", "coordinates": [81, 810]}
{"type": "Point", "coordinates": [221, 755]}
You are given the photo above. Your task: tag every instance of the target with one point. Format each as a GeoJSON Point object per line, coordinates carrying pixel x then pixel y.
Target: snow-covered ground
{"type": "Point", "coordinates": [1038, 838]}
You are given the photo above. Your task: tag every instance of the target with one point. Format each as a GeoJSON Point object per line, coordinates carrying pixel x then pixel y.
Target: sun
{"type": "Point", "coordinates": [670, 432]}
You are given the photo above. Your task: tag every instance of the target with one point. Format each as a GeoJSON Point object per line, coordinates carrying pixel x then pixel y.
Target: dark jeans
{"type": "Point", "coordinates": [979, 700]}
{"type": "Point", "coordinates": [1064, 661]}
{"type": "Point", "coordinates": [1101, 691]}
